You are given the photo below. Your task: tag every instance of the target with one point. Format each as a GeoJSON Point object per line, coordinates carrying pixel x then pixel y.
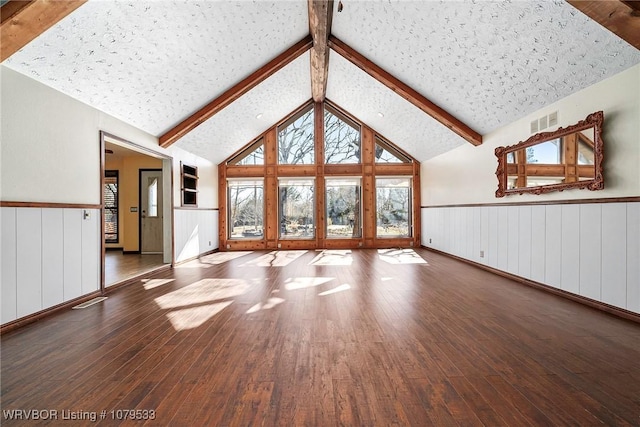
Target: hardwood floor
{"type": "Point", "coordinates": [119, 266]}
{"type": "Point", "coordinates": [362, 338]}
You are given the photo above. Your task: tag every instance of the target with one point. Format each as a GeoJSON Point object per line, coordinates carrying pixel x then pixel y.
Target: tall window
{"type": "Point", "coordinates": [297, 219]}
{"type": "Point", "coordinates": [246, 209]}
{"type": "Point", "coordinates": [110, 191]}
{"type": "Point", "coordinates": [295, 140]}
{"type": "Point", "coordinates": [393, 207]}
{"type": "Point", "coordinates": [343, 199]}
{"type": "Point", "coordinates": [341, 138]}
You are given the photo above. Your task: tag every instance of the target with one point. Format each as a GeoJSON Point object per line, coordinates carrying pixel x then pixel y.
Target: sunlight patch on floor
{"type": "Point", "coordinates": [341, 288]}
{"type": "Point", "coordinates": [275, 259]}
{"type": "Point", "coordinates": [400, 256]}
{"type": "Point", "coordinates": [203, 291]}
{"type": "Point", "coordinates": [269, 304]}
{"type": "Point", "coordinates": [293, 283]}
{"type": "Point", "coordinates": [333, 257]}
{"type": "Point", "coordinates": [155, 283]}
{"type": "Point", "coordinates": [192, 317]}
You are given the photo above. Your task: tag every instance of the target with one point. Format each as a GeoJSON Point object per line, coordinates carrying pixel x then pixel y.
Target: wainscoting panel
{"type": "Point", "coordinates": [72, 253]}
{"type": "Point", "coordinates": [44, 254]}
{"type": "Point", "coordinates": [589, 249]}
{"type": "Point", "coordinates": [52, 257]}
{"type": "Point", "coordinates": [29, 259]}
{"type": "Point", "coordinates": [633, 255]}
{"type": "Point", "coordinates": [196, 232]}
{"type": "Point", "coordinates": [8, 264]}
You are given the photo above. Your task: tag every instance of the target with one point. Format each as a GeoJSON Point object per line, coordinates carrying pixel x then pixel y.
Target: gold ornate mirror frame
{"type": "Point", "coordinates": [578, 165]}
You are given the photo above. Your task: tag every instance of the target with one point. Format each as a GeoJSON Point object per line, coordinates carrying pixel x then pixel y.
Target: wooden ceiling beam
{"type": "Point", "coordinates": [618, 16]}
{"type": "Point", "coordinates": [320, 18]}
{"type": "Point", "coordinates": [235, 92]}
{"type": "Point", "coordinates": [405, 91]}
{"type": "Point", "coordinates": [23, 21]}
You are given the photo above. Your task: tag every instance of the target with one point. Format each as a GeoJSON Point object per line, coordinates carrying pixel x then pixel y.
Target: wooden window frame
{"type": "Point", "coordinates": [113, 174]}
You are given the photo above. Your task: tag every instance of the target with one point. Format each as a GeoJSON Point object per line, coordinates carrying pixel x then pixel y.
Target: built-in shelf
{"type": "Point", "coordinates": [189, 178]}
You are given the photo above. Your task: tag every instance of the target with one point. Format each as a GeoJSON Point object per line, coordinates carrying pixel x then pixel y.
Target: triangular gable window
{"type": "Point", "coordinates": [341, 138]}
{"type": "Point", "coordinates": [254, 155]}
{"type": "Point", "coordinates": [385, 153]}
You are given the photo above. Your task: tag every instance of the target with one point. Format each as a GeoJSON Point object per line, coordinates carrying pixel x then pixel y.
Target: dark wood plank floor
{"type": "Point", "coordinates": [119, 267]}
{"type": "Point", "coordinates": [316, 338]}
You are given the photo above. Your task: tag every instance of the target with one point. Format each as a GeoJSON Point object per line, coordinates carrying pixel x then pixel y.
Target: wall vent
{"type": "Point", "coordinates": [544, 122]}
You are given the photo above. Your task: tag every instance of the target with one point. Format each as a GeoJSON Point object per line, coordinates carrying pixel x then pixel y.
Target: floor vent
{"type": "Point", "coordinates": [89, 303]}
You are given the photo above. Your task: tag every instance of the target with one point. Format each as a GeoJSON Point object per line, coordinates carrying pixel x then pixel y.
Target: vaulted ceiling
{"type": "Point", "coordinates": [154, 64]}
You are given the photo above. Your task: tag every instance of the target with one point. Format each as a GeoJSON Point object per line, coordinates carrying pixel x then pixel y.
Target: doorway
{"type": "Point", "coordinates": [143, 218]}
{"type": "Point", "coordinates": [151, 211]}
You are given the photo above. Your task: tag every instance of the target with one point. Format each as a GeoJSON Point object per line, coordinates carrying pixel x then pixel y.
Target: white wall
{"type": "Point", "coordinates": [467, 174]}
{"type": "Point", "coordinates": [49, 256]}
{"type": "Point", "coordinates": [590, 249]}
{"type": "Point", "coordinates": [50, 153]}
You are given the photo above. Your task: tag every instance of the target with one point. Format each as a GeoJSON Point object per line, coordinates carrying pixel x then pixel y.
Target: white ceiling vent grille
{"type": "Point", "coordinates": [544, 122]}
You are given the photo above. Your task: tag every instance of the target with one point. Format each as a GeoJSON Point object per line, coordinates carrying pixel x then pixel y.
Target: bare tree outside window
{"type": "Point", "coordinates": [393, 207]}
{"type": "Point", "coordinates": [246, 209]}
{"type": "Point", "coordinates": [297, 218]}
{"type": "Point", "coordinates": [343, 208]}
{"type": "Point", "coordinates": [295, 141]}
{"type": "Point", "coordinates": [341, 140]}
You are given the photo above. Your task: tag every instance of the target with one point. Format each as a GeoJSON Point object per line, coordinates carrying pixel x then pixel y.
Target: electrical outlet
{"type": "Point", "coordinates": [429, 240]}
{"type": "Point", "coordinates": [228, 246]}
{"type": "Point", "coordinates": [209, 242]}
{"type": "Point", "coordinates": [481, 254]}
{"type": "Point", "coordinates": [279, 245]}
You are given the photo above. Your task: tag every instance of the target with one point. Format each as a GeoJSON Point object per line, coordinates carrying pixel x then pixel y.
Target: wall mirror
{"type": "Point", "coordinates": [567, 158]}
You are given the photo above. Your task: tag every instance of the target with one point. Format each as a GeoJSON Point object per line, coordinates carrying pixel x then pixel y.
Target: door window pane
{"type": "Point", "coordinates": [246, 209]}
{"type": "Point", "coordinates": [297, 219]}
{"type": "Point", "coordinates": [152, 197]}
{"type": "Point", "coordinates": [343, 199]}
{"type": "Point", "coordinates": [393, 207]}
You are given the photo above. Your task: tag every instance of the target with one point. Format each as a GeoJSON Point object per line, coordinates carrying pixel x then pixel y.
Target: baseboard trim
{"type": "Point", "coordinates": [23, 321]}
{"type": "Point", "coordinates": [130, 252]}
{"type": "Point", "coordinates": [610, 309]}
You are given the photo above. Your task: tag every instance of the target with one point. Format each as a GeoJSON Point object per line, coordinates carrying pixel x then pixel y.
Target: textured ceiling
{"type": "Point", "coordinates": [152, 63]}
{"type": "Point", "coordinates": [488, 63]}
{"type": "Point", "coordinates": [420, 135]}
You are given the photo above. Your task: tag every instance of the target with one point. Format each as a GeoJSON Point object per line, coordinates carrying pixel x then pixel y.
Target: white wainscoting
{"type": "Point", "coordinates": [590, 249]}
{"type": "Point", "coordinates": [196, 232]}
{"type": "Point", "coordinates": [49, 256]}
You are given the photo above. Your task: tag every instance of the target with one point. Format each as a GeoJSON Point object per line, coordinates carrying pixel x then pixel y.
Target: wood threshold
{"type": "Point", "coordinates": [235, 92]}
{"type": "Point", "coordinates": [405, 91]}
{"type": "Point", "coordinates": [131, 280]}
{"type": "Point", "coordinates": [610, 309]}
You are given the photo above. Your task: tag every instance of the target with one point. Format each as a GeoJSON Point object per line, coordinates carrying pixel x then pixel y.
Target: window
{"type": "Point", "coordinates": [110, 192]}
{"type": "Point", "coordinates": [393, 207]}
{"type": "Point", "coordinates": [254, 155]}
{"type": "Point", "coordinates": [341, 138]}
{"type": "Point", "coordinates": [343, 200]}
{"type": "Point", "coordinates": [189, 175]}
{"type": "Point", "coordinates": [246, 208]}
{"type": "Point", "coordinates": [152, 198]}
{"type": "Point", "coordinates": [295, 140]}
{"type": "Point", "coordinates": [386, 153]}
{"type": "Point", "coordinates": [297, 208]}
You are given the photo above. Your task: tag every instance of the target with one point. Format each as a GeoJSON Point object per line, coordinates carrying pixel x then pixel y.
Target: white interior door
{"type": "Point", "coordinates": [151, 212]}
